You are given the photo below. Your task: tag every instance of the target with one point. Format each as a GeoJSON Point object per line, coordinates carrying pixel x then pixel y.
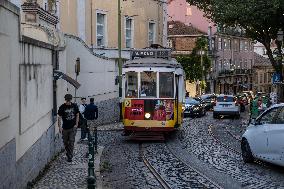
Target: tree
{"type": "Point", "coordinates": [261, 20]}
{"type": "Point", "coordinates": [192, 63]}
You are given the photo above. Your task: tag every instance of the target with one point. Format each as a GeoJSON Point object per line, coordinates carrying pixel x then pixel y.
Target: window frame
{"type": "Point", "coordinates": [131, 31]}
{"type": "Point", "coordinates": [154, 32]}
{"type": "Point", "coordinates": [104, 25]}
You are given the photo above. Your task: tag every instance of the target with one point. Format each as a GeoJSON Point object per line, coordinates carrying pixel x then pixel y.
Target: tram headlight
{"type": "Point", "coordinates": [147, 115]}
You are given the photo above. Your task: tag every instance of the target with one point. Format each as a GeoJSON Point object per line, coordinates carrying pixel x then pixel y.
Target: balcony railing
{"type": "Point", "coordinates": [235, 72]}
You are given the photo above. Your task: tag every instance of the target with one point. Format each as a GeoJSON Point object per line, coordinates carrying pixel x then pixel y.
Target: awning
{"type": "Point", "coordinates": [60, 75]}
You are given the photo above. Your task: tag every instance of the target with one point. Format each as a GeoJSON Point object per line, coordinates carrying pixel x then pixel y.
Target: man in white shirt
{"type": "Point", "coordinates": [83, 121]}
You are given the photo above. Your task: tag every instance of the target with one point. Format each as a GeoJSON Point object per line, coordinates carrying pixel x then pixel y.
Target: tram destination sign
{"type": "Point", "coordinates": [151, 54]}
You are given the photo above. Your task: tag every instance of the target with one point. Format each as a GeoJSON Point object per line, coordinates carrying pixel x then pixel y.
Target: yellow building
{"type": "Point", "coordinates": [143, 22]}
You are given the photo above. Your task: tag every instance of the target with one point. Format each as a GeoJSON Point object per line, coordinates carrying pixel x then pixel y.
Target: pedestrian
{"type": "Point", "coordinates": [82, 120]}
{"type": "Point", "coordinates": [91, 110]}
{"type": "Point", "coordinates": [69, 113]}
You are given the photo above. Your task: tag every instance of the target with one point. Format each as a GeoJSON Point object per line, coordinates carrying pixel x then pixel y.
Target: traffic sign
{"type": "Point", "coordinates": [276, 78]}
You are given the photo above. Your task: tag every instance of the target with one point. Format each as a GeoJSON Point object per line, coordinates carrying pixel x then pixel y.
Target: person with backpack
{"type": "Point", "coordinates": [69, 114]}
{"type": "Point", "coordinates": [82, 120]}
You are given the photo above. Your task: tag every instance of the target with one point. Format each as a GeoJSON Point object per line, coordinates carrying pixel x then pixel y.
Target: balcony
{"type": "Point", "coordinates": [235, 72]}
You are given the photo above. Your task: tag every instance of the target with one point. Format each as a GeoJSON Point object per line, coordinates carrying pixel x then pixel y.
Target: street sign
{"type": "Point", "coordinates": [276, 78]}
{"type": "Point", "coordinates": [151, 53]}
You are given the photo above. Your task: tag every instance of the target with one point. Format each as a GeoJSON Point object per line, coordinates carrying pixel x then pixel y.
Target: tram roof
{"type": "Point", "coordinates": [152, 62]}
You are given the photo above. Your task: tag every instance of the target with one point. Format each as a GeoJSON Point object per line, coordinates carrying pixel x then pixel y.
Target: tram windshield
{"type": "Point", "coordinates": [166, 86]}
{"type": "Point", "coordinates": [148, 85]}
{"type": "Point", "coordinates": [131, 85]}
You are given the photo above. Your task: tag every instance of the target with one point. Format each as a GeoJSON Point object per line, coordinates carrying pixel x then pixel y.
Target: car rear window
{"type": "Point", "coordinates": [225, 99]}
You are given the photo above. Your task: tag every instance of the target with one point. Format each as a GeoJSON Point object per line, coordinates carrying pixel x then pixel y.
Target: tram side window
{"type": "Point", "coordinates": [166, 85]}
{"type": "Point", "coordinates": [148, 85]}
{"type": "Point", "coordinates": [131, 85]}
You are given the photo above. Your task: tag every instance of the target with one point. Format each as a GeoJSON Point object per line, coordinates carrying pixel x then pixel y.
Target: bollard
{"type": "Point", "coordinates": [91, 165]}
{"type": "Point", "coordinates": [96, 140]}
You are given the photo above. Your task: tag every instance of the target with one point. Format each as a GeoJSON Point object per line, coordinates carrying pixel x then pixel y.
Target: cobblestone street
{"type": "Point", "coordinates": [205, 153]}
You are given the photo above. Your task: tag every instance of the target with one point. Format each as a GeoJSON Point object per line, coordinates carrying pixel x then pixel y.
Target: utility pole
{"type": "Point", "coordinates": [119, 50]}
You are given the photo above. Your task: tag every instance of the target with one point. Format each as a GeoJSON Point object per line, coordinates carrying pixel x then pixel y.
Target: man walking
{"type": "Point", "coordinates": [69, 113]}
{"type": "Point", "coordinates": [82, 120]}
{"type": "Point", "coordinates": [91, 110]}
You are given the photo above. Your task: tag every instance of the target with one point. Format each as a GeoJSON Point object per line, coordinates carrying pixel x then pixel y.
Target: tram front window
{"type": "Point", "coordinates": [166, 86]}
{"type": "Point", "coordinates": [148, 85]}
{"type": "Point", "coordinates": [131, 85]}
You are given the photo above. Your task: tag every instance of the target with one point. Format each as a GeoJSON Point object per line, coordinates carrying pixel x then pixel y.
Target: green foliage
{"type": "Point", "coordinates": [261, 19]}
{"type": "Point", "coordinates": [192, 63]}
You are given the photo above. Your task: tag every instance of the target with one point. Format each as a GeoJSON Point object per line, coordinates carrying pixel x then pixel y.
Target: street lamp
{"type": "Point", "coordinates": [119, 49]}
{"type": "Point", "coordinates": [201, 53]}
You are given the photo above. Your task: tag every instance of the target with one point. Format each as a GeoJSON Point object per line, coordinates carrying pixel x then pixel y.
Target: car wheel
{"type": "Point", "coordinates": [246, 152]}
{"type": "Point", "coordinates": [215, 116]}
{"type": "Point", "coordinates": [238, 116]}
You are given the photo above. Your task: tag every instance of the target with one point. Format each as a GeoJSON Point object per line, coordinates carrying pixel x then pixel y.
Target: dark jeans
{"type": "Point", "coordinates": [84, 130]}
{"type": "Point", "coordinates": [68, 136]}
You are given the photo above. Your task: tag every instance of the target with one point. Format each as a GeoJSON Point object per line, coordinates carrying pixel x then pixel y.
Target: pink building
{"type": "Point", "coordinates": [180, 10]}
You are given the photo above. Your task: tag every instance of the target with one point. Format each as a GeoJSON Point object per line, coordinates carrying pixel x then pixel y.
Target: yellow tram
{"type": "Point", "coordinates": [153, 92]}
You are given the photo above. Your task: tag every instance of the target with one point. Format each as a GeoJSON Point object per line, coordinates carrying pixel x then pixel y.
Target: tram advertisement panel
{"type": "Point", "coordinates": [160, 110]}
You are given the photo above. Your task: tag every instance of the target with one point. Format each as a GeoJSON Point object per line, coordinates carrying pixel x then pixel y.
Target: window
{"type": "Point", "coordinates": [101, 29]}
{"type": "Point", "coordinates": [245, 64]}
{"type": "Point", "coordinates": [170, 43]}
{"type": "Point", "coordinates": [225, 44]}
{"type": "Point", "coordinates": [241, 64]}
{"type": "Point", "coordinates": [268, 117]}
{"type": "Point", "coordinates": [246, 46]}
{"type": "Point", "coordinates": [151, 33]}
{"type": "Point", "coordinates": [166, 86]}
{"type": "Point", "coordinates": [236, 45]}
{"type": "Point", "coordinates": [265, 78]}
{"type": "Point", "coordinates": [256, 77]}
{"type": "Point", "coordinates": [229, 44]}
{"type": "Point", "coordinates": [225, 99]}
{"type": "Point", "coordinates": [131, 85]}
{"type": "Point", "coordinates": [128, 32]}
{"type": "Point", "coordinates": [219, 43]}
{"type": "Point", "coordinates": [260, 77]}
{"type": "Point", "coordinates": [242, 45]}
{"type": "Point", "coordinates": [280, 117]}
{"type": "Point", "coordinates": [148, 85]}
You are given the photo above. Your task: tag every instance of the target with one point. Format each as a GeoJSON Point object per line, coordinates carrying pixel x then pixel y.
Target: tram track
{"type": "Point", "coordinates": [190, 177]}
{"type": "Point", "coordinates": [154, 172]}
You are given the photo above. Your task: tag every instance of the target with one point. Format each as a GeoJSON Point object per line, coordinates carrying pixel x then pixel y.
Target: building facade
{"type": "Point", "coordinates": [262, 75]}
{"type": "Point", "coordinates": [96, 22]}
{"type": "Point", "coordinates": [233, 60]}
{"type": "Point", "coordinates": [182, 40]}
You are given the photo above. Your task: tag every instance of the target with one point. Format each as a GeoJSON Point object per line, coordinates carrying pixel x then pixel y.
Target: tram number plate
{"type": "Point", "coordinates": [127, 103]}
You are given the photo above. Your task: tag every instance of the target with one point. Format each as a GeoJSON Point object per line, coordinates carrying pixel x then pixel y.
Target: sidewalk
{"type": "Point", "coordinates": [62, 174]}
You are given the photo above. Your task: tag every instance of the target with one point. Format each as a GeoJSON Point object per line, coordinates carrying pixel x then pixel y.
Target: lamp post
{"type": "Point", "coordinates": [279, 56]}
{"type": "Point", "coordinates": [201, 52]}
{"type": "Point", "coordinates": [119, 49]}
{"type": "Point", "coordinates": [77, 71]}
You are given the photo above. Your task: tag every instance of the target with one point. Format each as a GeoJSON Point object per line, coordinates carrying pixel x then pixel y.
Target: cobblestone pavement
{"type": "Point", "coordinates": [191, 158]}
{"type": "Point", "coordinates": [62, 174]}
{"type": "Point", "coordinates": [196, 140]}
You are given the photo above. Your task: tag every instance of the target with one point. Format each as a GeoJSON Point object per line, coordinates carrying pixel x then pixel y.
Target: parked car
{"type": "Point", "coordinates": [210, 100]}
{"type": "Point", "coordinates": [264, 136]}
{"type": "Point", "coordinates": [193, 108]}
{"type": "Point", "coordinates": [226, 105]}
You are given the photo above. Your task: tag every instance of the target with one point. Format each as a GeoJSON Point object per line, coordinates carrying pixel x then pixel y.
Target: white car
{"type": "Point", "coordinates": [226, 105]}
{"type": "Point", "coordinates": [264, 137]}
